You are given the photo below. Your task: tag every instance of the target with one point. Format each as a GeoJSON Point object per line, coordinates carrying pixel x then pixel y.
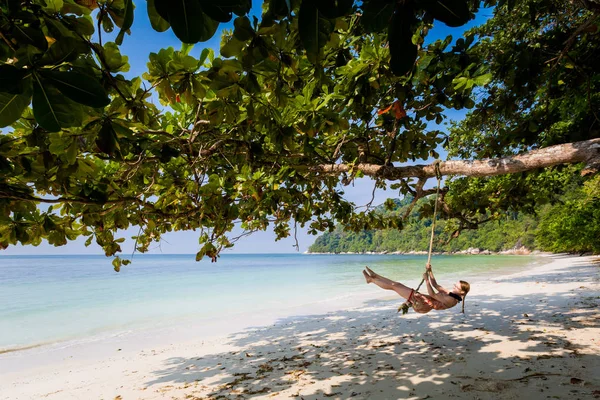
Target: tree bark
{"type": "Point", "coordinates": [587, 151]}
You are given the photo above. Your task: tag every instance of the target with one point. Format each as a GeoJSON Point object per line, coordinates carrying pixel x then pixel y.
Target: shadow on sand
{"type": "Point", "coordinates": [505, 347]}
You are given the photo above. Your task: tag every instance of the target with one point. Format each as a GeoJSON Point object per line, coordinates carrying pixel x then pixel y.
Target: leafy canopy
{"type": "Point", "coordinates": [311, 83]}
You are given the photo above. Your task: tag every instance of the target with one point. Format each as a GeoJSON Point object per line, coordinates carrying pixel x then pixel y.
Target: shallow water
{"type": "Point", "coordinates": [49, 299]}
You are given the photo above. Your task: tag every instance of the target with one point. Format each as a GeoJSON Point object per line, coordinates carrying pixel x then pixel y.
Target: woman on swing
{"type": "Point", "coordinates": [423, 303]}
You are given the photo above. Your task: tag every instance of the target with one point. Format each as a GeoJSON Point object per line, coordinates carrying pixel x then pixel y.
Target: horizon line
{"type": "Point", "coordinates": [141, 254]}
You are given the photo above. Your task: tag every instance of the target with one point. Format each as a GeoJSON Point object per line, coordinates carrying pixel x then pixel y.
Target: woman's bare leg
{"type": "Point", "coordinates": [387, 284]}
{"type": "Point", "coordinates": [382, 278]}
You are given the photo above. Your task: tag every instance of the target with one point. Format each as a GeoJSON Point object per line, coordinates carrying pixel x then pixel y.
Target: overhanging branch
{"type": "Point", "coordinates": [587, 151]}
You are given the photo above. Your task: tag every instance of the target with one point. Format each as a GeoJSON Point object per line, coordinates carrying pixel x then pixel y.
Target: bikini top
{"type": "Point", "coordinates": [454, 295]}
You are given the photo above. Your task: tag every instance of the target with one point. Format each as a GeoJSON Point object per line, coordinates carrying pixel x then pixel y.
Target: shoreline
{"type": "Point", "coordinates": [519, 251]}
{"type": "Point", "coordinates": [181, 329]}
{"type": "Point", "coordinates": [314, 355]}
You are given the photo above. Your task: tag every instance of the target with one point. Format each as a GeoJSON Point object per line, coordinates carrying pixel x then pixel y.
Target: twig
{"type": "Point", "coordinates": [370, 203]}
{"type": "Point", "coordinates": [569, 42]}
{"type": "Point", "coordinates": [101, 15]}
{"type": "Point", "coordinates": [297, 246]}
{"type": "Point", "coordinates": [338, 148]}
{"type": "Point", "coordinates": [8, 43]}
{"type": "Point", "coordinates": [416, 197]}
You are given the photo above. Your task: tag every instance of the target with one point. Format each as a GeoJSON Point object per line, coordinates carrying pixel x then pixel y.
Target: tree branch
{"type": "Point", "coordinates": [587, 151]}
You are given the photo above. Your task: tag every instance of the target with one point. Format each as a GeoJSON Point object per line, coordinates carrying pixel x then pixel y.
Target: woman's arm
{"type": "Point", "coordinates": [429, 288]}
{"type": "Point", "coordinates": [433, 281]}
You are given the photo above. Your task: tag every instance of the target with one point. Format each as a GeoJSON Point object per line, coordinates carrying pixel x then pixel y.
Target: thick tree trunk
{"type": "Point", "coordinates": [587, 151]}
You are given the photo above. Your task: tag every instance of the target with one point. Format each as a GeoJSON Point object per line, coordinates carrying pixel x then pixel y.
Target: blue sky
{"type": "Point", "coordinates": [145, 40]}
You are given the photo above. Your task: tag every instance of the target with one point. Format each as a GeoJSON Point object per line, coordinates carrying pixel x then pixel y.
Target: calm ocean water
{"type": "Point", "coordinates": [48, 299]}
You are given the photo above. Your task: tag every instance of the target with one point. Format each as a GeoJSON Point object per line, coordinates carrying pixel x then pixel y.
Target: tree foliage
{"type": "Point", "coordinates": [574, 224]}
{"type": "Point", "coordinates": [571, 224]}
{"type": "Point", "coordinates": [237, 136]}
{"type": "Point", "coordinates": [502, 234]}
{"type": "Point", "coordinates": [544, 90]}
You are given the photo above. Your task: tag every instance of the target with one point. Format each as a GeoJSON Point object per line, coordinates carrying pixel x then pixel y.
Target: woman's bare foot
{"type": "Point", "coordinates": [370, 272]}
{"type": "Point", "coordinates": [367, 277]}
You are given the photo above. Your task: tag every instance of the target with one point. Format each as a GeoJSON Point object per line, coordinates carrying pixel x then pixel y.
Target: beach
{"type": "Point", "coordinates": [530, 334]}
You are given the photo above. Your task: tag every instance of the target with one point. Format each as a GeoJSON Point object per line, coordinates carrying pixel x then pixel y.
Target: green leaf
{"type": "Point", "coordinates": [533, 127]}
{"type": "Point", "coordinates": [72, 152]}
{"type": "Point", "coordinates": [460, 82]}
{"type": "Point", "coordinates": [51, 109]}
{"type": "Point", "coordinates": [279, 8]}
{"type": "Point", "coordinates": [83, 89]}
{"type": "Point", "coordinates": [11, 79]}
{"type": "Point", "coordinates": [314, 29]}
{"type": "Point", "coordinates": [107, 23]}
{"type": "Point", "coordinates": [204, 55]}
{"type": "Point", "coordinates": [114, 60]}
{"type": "Point", "coordinates": [127, 21]}
{"type": "Point", "coordinates": [216, 10]}
{"type": "Point", "coordinates": [107, 139]}
{"type": "Point", "coordinates": [65, 49]}
{"type": "Point", "coordinates": [56, 28]}
{"type": "Point", "coordinates": [59, 143]}
{"type": "Point", "coordinates": [53, 6]}
{"type": "Point", "coordinates": [243, 29]}
{"type": "Point", "coordinates": [453, 13]}
{"type": "Point", "coordinates": [116, 262]}
{"type": "Point", "coordinates": [82, 25]}
{"type": "Point", "coordinates": [403, 53]}
{"type": "Point", "coordinates": [49, 225]}
{"type": "Point", "coordinates": [241, 7]}
{"type": "Point", "coordinates": [208, 28]}
{"type": "Point", "coordinates": [158, 23]}
{"type": "Point", "coordinates": [334, 8]}
{"type": "Point", "coordinates": [250, 83]}
{"type": "Point", "coordinates": [22, 234]}
{"type": "Point", "coordinates": [209, 250]}
{"type": "Point", "coordinates": [187, 20]}
{"type": "Point", "coordinates": [232, 47]}
{"type": "Point", "coordinates": [70, 7]}
{"type": "Point", "coordinates": [30, 35]}
{"type": "Point", "coordinates": [376, 15]}
{"type": "Point", "coordinates": [162, 8]}
{"type": "Point", "coordinates": [13, 105]}
{"type": "Point", "coordinates": [483, 80]}
{"type": "Point", "coordinates": [167, 153]}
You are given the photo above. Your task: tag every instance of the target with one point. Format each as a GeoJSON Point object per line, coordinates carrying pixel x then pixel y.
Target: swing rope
{"type": "Point", "coordinates": [404, 307]}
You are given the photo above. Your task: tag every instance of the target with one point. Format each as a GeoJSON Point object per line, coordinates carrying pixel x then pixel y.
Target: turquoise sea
{"type": "Point", "coordinates": [53, 299]}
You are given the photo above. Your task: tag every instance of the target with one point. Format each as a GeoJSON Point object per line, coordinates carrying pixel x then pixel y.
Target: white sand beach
{"type": "Point", "coordinates": [534, 335]}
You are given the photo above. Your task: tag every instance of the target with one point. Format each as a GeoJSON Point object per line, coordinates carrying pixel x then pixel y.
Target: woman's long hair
{"type": "Point", "coordinates": [465, 287]}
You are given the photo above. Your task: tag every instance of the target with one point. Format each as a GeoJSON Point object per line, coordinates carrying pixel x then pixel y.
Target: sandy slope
{"type": "Point", "coordinates": [531, 335]}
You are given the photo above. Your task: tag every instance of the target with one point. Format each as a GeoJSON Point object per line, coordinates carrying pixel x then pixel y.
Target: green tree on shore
{"type": "Point", "coordinates": [574, 224]}
{"type": "Point", "coordinates": [301, 101]}
{"type": "Point", "coordinates": [570, 225]}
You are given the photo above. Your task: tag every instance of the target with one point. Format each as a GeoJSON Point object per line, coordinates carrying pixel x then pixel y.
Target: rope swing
{"type": "Point", "coordinates": [405, 306]}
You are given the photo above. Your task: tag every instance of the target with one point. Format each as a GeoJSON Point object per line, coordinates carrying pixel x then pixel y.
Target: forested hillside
{"type": "Point", "coordinates": [570, 225]}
